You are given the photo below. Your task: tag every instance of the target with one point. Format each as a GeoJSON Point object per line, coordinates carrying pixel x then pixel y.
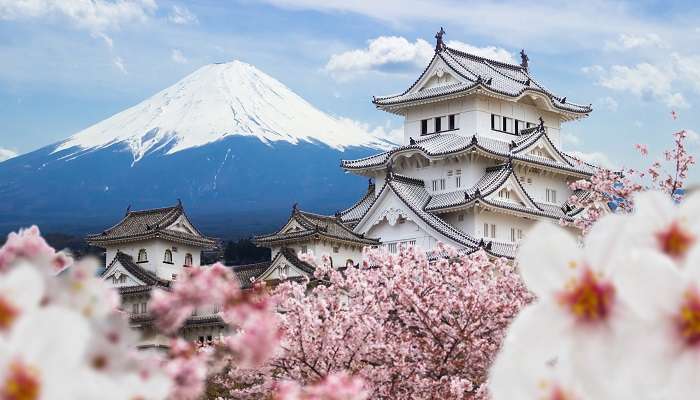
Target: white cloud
{"type": "Point", "coordinates": [687, 68]}
{"type": "Point", "coordinates": [395, 53]}
{"type": "Point", "coordinates": [596, 158]}
{"type": "Point", "coordinates": [638, 123]}
{"type": "Point", "coordinates": [571, 139]}
{"type": "Point", "coordinates": [607, 103]}
{"type": "Point", "coordinates": [6, 154]}
{"type": "Point", "coordinates": [644, 80]}
{"type": "Point", "coordinates": [384, 132]}
{"type": "Point", "coordinates": [92, 15]}
{"type": "Point", "coordinates": [119, 63]}
{"type": "Point", "coordinates": [693, 136]}
{"type": "Point", "coordinates": [182, 16]}
{"type": "Point", "coordinates": [634, 41]}
{"type": "Point", "coordinates": [177, 57]}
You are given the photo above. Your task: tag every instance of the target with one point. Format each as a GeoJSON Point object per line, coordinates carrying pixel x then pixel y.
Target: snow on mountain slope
{"type": "Point", "coordinates": [215, 102]}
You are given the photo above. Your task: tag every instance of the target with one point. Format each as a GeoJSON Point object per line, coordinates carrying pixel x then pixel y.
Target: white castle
{"type": "Point", "coordinates": [481, 162]}
{"type": "Point", "coordinates": [148, 249]}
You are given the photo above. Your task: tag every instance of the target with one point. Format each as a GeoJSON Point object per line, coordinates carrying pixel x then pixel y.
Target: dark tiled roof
{"type": "Point", "coordinates": [439, 145]}
{"type": "Point", "coordinates": [359, 209]}
{"type": "Point", "coordinates": [291, 256]}
{"type": "Point", "coordinates": [148, 224]}
{"type": "Point", "coordinates": [246, 274]}
{"type": "Point", "coordinates": [313, 225]}
{"type": "Point", "coordinates": [481, 74]}
{"type": "Point", "coordinates": [147, 277]}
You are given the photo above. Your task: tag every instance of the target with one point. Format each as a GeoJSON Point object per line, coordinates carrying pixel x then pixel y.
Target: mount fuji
{"type": "Point", "coordinates": [234, 144]}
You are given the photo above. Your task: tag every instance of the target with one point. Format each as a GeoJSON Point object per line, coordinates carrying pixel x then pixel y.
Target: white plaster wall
{"type": "Point", "coordinates": [402, 232]}
{"type": "Point", "coordinates": [155, 249]}
{"type": "Point", "coordinates": [541, 182]}
{"type": "Point", "coordinates": [503, 224]}
{"type": "Point", "coordinates": [472, 170]}
{"type": "Point", "coordinates": [474, 116]}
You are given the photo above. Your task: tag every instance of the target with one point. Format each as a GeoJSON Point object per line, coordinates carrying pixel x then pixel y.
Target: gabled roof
{"type": "Point", "coordinates": [478, 73]}
{"type": "Point", "coordinates": [359, 209]}
{"type": "Point", "coordinates": [492, 181]}
{"type": "Point", "coordinates": [246, 274]}
{"type": "Point", "coordinates": [303, 225]}
{"type": "Point", "coordinates": [150, 224]}
{"type": "Point", "coordinates": [147, 277]}
{"type": "Point", "coordinates": [413, 194]}
{"type": "Point", "coordinates": [287, 254]}
{"type": "Point", "coordinates": [448, 144]}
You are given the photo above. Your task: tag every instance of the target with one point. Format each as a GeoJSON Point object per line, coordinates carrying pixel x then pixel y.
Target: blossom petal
{"type": "Point", "coordinates": [649, 284]}
{"type": "Point", "coordinates": [605, 244]}
{"type": "Point", "coordinates": [54, 337]}
{"type": "Point", "coordinates": [545, 258]}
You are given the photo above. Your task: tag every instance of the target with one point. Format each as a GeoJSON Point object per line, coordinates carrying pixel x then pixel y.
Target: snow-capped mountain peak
{"type": "Point", "coordinates": [214, 102]}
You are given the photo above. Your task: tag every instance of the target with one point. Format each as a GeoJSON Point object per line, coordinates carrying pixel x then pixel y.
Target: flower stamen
{"type": "Point", "coordinates": [689, 318]}
{"type": "Point", "coordinates": [675, 241]}
{"type": "Point", "coordinates": [8, 314]}
{"type": "Point", "coordinates": [21, 383]}
{"type": "Point", "coordinates": [588, 298]}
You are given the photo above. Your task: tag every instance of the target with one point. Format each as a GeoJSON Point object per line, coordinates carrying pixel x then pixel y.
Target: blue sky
{"type": "Point", "coordinates": [65, 65]}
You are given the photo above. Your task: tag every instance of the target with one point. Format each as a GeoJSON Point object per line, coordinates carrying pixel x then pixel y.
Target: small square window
{"type": "Point", "coordinates": [336, 249]}
{"type": "Point", "coordinates": [460, 217]}
{"type": "Point", "coordinates": [424, 127]}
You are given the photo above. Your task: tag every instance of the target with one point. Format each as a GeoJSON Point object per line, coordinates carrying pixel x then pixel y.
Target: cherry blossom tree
{"type": "Point", "coordinates": [408, 327]}
{"type": "Point", "coordinates": [612, 191]}
{"type": "Point", "coordinates": [63, 335]}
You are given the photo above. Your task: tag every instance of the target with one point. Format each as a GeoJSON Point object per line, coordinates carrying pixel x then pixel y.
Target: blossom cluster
{"type": "Point", "coordinates": [406, 326]}
{"type": "Point", "coordinates": [613, 191]}
{"type": "Point", "coordinates": [618, 318]}
{"type": "Point", "coordinates": [64, 336]}
{"type": "Point", "coordinates": [61, 335]}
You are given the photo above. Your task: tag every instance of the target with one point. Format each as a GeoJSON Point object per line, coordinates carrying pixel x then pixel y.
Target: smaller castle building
{"type": "Point", "coordinates": [148, 249]}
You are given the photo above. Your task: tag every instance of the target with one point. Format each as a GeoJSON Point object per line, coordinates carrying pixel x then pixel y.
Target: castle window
{"type": "Point", "coordinates": [551, 195]}
{"type": "Point", "coordinates": [442, 184]}
{"type": "Point", "coordinates": [486, 230]}
{"type": "Point", "coordinates": [188, 259]}
{"type": "Point", "coordinates": [143, 308]}
{"type": "Point", "coordinates": [424, 127]}
{"type": "Point", "coordinates": [504, 194]}
{"type": "Point", "coordinates": [135, 308]}
{"type": "Point", "coordinates": [435, 185]}
{"type": "Point", "coordinates": [449, 173]}
{"type": "Point", "coordinates": [168, 257]}
{"type": "Point", "coordinates": [391, 247]}
{"type": "Point", "coordinates": [460, 217]}
{"type": "Point", "coordinates": [451, 122]}
{"type": "Point", "coordinates": [496, 122]}
{"type": "Point", "coordinates": [336, 249]}
{"type": "Point", "coordinates": [493, 231]}
{"type": "Point", "coordinates": [143, 257]}
{"type": "Point", "coordinates": [438, 124]}
{"type": "Point", "coordinates": [508, 125]}
{"type": "Point", "coordinates": [458, 178]}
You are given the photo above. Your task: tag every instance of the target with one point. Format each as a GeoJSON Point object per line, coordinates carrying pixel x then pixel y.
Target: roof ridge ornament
{"type": "Point", "coordinates": [128, 209]}
{"type": "Point", "coordinates": [524, 59]}
{"type": "Point", "coordinates": [411, 141]}
{"type": "Point", "coordinates": [541, 125]}
{"type": "Point", "coordinates": [439, 43]}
